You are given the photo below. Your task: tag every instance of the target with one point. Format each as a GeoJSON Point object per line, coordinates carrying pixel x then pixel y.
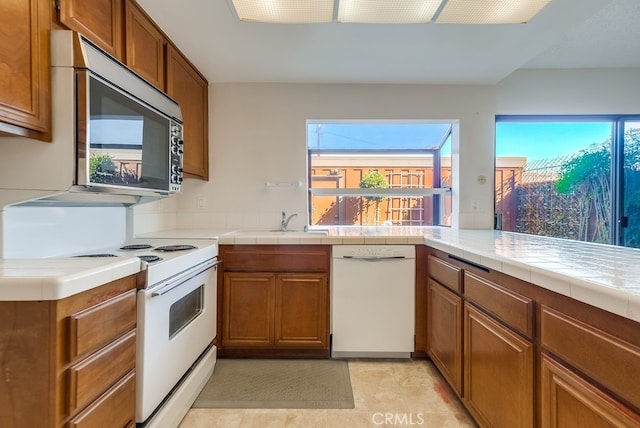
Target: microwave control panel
{"type": "Point", "coordinates": [176, 151]}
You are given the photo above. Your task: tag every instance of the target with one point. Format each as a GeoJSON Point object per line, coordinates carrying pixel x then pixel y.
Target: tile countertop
{"type": "Point", "coordinates": [334, 235]}
{"type": "Point", "coordinates": [188, 234]}
{"type": "Point", "coordinates": [55, 279]}
{"type": "Point", "coordinates": [601, 275]}
{"type": "Point", "coordinates": [604, 276]}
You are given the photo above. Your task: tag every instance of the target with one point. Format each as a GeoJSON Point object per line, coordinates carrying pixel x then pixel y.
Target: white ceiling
{"type": "Point", "coordinates": [565, 34]}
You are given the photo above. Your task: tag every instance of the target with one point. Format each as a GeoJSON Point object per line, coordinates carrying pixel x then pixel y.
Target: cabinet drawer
{"type": "Point", "coordinates": [276, 258]}
{"type": "Point", "coordinates": [444, 273]}
{"type": "Point", "coordinates": [613, 363]}
{"type": "Point", "coordinates": [513, 309]}
{"type": "Point", "coordinates": [116, 408]}
{"type": "Point", "coordinates": [98, 325]}
{"type": "Point", "coordinates": [90, 377]}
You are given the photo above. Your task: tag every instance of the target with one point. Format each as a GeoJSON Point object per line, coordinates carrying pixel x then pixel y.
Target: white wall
{"type": "Point", "coordinates": [258, 134]}
{"type": "Point", "coordinates": [569, 92]}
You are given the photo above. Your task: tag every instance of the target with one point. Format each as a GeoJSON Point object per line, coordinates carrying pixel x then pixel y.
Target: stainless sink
{"type": "Point", "coordinates": [300, 232]}
{"type": "Point", "coordinates": [277, 232]}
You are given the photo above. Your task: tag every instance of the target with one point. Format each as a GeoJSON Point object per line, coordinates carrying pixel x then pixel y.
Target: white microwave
{"type": "Point", "coordinates": [128, 133]}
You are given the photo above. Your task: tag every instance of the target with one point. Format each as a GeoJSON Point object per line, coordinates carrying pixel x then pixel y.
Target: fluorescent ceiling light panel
{"type": "Point", "coordinates": [284, 11]}
{"type": "Point", "coordinates": [387, 11]}
{"type": "Point", "coordinates": [489, 11]}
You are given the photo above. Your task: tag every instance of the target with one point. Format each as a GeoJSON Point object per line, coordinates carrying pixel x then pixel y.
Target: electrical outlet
{"type": "Point", "coordinates": [201, 202]}
{"type": "Point", "coordinates": [475, 205]}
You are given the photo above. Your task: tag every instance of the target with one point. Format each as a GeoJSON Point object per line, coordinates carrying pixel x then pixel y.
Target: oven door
{"type": "Point", "coordinates": [176, 323]}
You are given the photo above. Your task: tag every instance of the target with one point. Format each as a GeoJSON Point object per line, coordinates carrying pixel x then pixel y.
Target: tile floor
{"type": "Point", "coordinates": [386, 392]}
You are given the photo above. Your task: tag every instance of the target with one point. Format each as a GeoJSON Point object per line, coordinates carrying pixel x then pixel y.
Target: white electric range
{"type": "Point", "coordinates": [176, 320]}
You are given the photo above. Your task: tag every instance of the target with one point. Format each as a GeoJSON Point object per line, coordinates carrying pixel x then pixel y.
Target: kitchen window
{"type": "Point", "coordinates": [373, 173]}
{"type": "Point", "coordinates": [574, 177]}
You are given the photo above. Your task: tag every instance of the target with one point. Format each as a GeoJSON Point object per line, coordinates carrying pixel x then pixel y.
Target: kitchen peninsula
{"type": "Point", "coordinates": [527, 330]}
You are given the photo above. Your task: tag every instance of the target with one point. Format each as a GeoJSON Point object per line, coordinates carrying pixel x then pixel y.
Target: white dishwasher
{"type": "Point", "coordinates": [373, 301]}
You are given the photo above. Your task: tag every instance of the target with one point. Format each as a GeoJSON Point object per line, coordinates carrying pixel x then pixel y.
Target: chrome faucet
{"type": "Point", "coordinates": [285, 221]}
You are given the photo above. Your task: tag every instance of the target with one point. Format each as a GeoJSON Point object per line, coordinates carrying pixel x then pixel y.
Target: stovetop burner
{"type": "Point", "coordinates": [97, 255]}
{"type": "Point", "coordinates": [169, 248]}
{"type": "Point", "coordinates": [136, 247]}
{"type": "Point", "coordinates": [150, 258]}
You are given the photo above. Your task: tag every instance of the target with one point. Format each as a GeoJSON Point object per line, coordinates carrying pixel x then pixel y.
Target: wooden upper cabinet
{"type": "Point", "coordinates": [190, 90]}
{"type": "Point", "coordinates": [25, 84]}
{"type": "Point", "coordinates": [99, 20]}
{"type": "Point", "coordinates": [145, 45]}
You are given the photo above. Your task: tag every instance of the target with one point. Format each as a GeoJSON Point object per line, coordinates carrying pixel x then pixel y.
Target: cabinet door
{"type": "Point", "coordinates": [569, 401]}
{"type": "Point", "coordinates": [498, 381]}
{"type": "Point", "coordinates": [190, 90]}
{"type": "Point", "coordinates": [248, 305]}
{"type": "Point", "coordinates": [144, 51]}
{"type": "Point", "coordinates": [445, 332]}
{"type": "Point", "coordinates": [99, 20]}
{"type": "Point", "coordinates": [25, 85]}
{"type": "Point", "coordinates": [27, 351]}
{"type": "Point", "coordinates": [301, 310]}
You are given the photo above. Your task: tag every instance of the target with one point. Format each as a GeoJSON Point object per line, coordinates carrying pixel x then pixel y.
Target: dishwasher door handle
{"type": "Point", "coordinates": [373, 259]}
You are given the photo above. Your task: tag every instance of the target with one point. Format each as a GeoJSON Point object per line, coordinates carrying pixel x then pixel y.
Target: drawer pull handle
{"type": "Point", "coordinates": [466, 262]}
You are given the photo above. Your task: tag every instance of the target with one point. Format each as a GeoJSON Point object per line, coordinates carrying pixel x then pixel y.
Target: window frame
{"type": "Point", "coordinates": [436, 190]}
{"type": "Point", "coordinates": [618, 219]}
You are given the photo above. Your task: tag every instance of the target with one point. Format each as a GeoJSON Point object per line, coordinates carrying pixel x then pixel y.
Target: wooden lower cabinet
{"type": "Point", "coordinates": [274, 301]}
{"type": "Point", "coordinates": [498, 372]}
{"type": "Point", "coordinates": [529, 356]}
{"type": "Point", "coordinates": [570, 401]}
{"type": "Point", "coordinates": [249, 307]}
{"type": "Point", "coordinates": [70, 362]}
{"type": "Point", "coordinates": [271, 310]}
{"type": "Point", "coordinates": [444, 320]}
{"type": "Point", "coordinates": [301, 310]}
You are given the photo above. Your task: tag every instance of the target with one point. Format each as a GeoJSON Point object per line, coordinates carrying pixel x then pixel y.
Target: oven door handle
{"type": "Point", "coordinates": [184, 277]}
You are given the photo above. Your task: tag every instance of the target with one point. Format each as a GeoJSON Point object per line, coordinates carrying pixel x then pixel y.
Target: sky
{"type": "Point", "coordinates": [384, 135]}
{"type": "Point", "coordinates": [548, 140]}
{"type": "Point", "coordinates": [541, 140]}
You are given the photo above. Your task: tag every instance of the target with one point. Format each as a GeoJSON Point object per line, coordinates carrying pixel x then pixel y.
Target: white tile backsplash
{"type": "Point", "coordinates": [50, 231]}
